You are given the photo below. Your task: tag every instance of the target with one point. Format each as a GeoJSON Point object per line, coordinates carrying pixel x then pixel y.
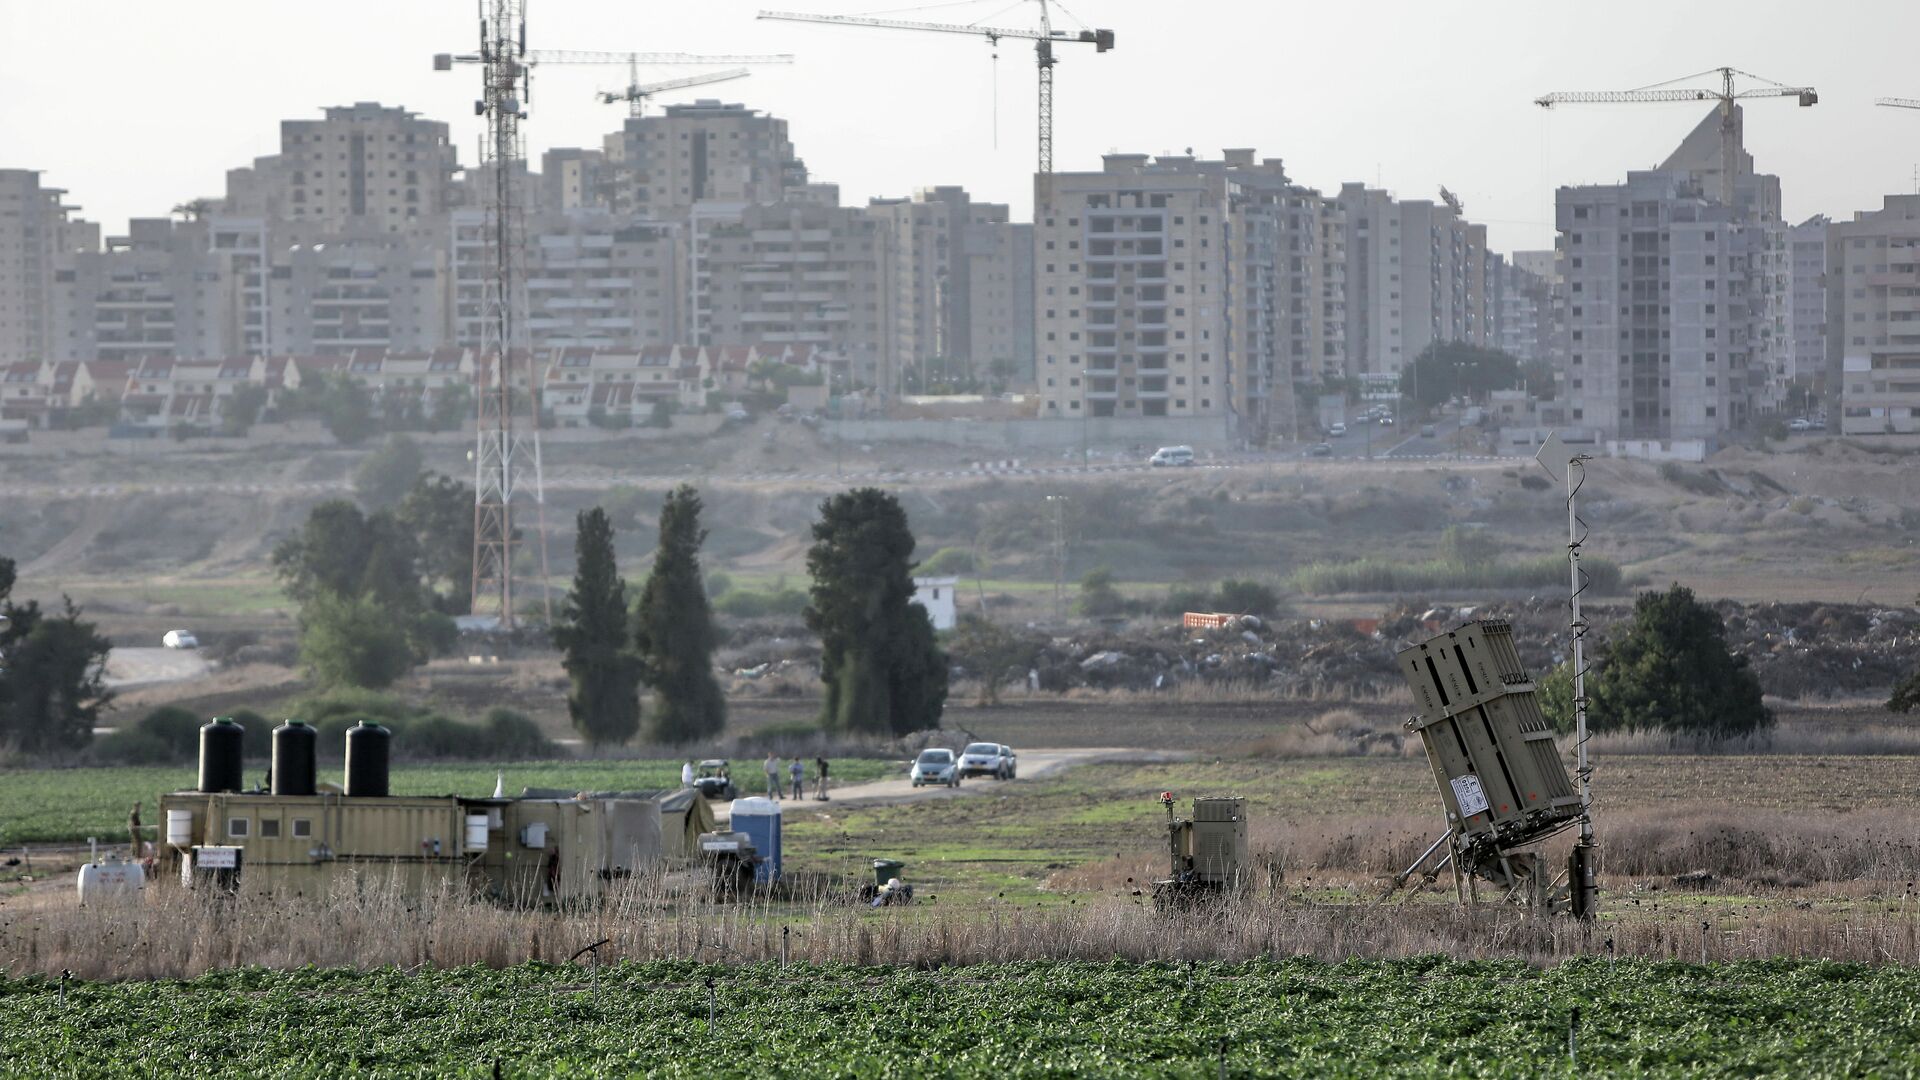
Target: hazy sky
{"type": "Point", "coordinates": [134, 107]}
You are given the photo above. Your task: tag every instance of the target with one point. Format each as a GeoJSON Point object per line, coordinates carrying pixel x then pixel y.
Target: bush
{"type": "Point", "coordinates": [511, 735]}
{"type": "Point", "coordinates": [753, 604]}
{"type": "Point", "coordinates": [1181, 599]}
{"type": "Point", "coordinates": [948, 562]}
{"type": "Point", "coordinates": [1243, 597]}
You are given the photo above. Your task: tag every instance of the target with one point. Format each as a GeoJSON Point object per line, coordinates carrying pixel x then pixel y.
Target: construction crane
{"type": "Point", "coordinates": [636, 93]}
{"type": "Point", "coordinates": [1043, 39]}
{"type": "Point", "coordinates": [1898, 102]}
{"type": "Point", "coordinates": [1726, 95]}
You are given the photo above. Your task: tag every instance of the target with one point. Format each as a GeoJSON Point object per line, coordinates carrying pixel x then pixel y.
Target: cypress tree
{"type": "Point", "coordinates": [674, 630]}
{"type": "Point", "coordinates": [592, 633]}
{"type": "Point", "coordinates": [884, 672]}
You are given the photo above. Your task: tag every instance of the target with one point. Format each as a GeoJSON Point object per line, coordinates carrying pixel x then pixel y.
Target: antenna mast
{"type": "Point", "coordinates": [505, 374]}
{"type": "Point", "coordinates": [1583, 889]}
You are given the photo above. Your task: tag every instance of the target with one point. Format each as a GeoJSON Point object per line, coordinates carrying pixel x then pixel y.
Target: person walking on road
{"type": "Point", "coordinates": [799, 774]}
{"type": "Point", "coordinates": [686, 774]}
{"type": "Point", "coordinates": [772, 766]}
{"type": "Point", "coordinates": [820, 782]}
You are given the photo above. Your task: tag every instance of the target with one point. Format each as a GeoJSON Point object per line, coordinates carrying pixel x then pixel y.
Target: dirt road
{"type": "Point", "coordinates": [1034, 765]}
{"type": "Point", "coordinates": [131, 668]}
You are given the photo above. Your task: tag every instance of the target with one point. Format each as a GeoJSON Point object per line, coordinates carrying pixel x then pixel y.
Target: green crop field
{"type": "Point", "coordinates": [1423, 1017]}
{"type": "Point", "coordinates": [60, 805]}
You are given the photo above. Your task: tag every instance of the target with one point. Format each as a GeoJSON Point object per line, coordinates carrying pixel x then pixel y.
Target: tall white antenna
{"type": "Point", "coordinates": [1582, 885]}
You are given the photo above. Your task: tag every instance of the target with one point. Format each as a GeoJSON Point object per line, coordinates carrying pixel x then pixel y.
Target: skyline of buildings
{"type": "Point", "coordinates": [1164, 285]}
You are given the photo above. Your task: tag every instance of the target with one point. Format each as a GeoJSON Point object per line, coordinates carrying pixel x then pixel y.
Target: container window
{"type": "Point", "coordinates": [237, 826]}
{"type": "Point", "coordinates": [269, 827]}
{"type": "Point", "coordinates": [302, 826]}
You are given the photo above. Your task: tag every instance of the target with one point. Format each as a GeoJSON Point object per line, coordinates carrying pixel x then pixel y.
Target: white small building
{"type": "Point", "coordinates": [936, 595]}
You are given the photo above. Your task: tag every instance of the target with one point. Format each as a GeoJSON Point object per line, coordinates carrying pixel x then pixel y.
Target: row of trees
{"type": "Point", "coordinates": [52, 674]}
{"type": "Point", "coordinates": [883, 670]}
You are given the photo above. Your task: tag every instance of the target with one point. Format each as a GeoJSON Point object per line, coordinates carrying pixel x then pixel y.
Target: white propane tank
{"type": "Point", "coordinates": [180, 828]}
{"type": "Point", "coordinates": [101, 879]}
{"type": "Point", "coordinates": [476, 832]}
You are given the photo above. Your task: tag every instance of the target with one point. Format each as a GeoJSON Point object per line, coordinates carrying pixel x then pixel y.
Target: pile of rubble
{"type": "Point", "coordinates": [1797, 650]}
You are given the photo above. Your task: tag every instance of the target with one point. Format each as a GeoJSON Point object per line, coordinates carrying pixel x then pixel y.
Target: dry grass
{"type": "Point", "coordinates": [175, 934]}
{"type": "Point", "coordinates": [1335, 733]}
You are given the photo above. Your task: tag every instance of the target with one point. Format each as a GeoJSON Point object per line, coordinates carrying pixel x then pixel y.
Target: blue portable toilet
{"type": "Point", "coordinates": [759, 818]}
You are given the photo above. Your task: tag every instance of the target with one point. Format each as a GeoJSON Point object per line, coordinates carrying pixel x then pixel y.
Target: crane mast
{"type": "Point", "coordinates": [1727, 95]}
{"type": "Point", "coordinates": [1043, 39]}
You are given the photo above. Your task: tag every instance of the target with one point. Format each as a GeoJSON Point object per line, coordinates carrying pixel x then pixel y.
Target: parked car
{"type": "Point", "coordinates": [1426, 431]}
{"type": "Point", "coordinates": [987, 759]}
{"type": "Point", "coordinates": [1171, 456]}
{"type": "Point", "coordinates": [935, 766]}
{"type": "Point", "coordinates": [180, 639]}
{"type": "Point", "coordinates": [1800, 423]}
{"type": "Point", "coordinates": [1321, 449]}
{"type": "Point", "coordinates": [714, 780]}
{"type": "Point", "coordinates": [1338, 429]}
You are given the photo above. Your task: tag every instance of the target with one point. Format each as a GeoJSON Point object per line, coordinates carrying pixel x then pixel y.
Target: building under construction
{"type": "Point", "coordinates": [301, 837]}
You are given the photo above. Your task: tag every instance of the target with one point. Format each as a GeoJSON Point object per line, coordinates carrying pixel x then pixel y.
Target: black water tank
{"type": "Point", "coordinates": [294, 749]}
{"type": "Point", "coordinates": [223, 753]}
{"type": "Point", "coordinates": [368, 745]}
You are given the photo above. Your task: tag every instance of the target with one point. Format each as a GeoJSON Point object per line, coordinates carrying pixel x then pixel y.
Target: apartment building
{"type": "Point", "coordinates": [1873, 317]}
{"type": "Point", "coordinates": [1131, 291]}
{"type": "Point", "coordinates": [939, 242]}
{"type": "Point", "coordinates": [36, 229]}
{"type": "Point", "coordinates": [661, 166]}
{"type": "Point", "coordinates": [1670, 297]}
{"type": "Point", "coordinates": [1807, 313]}
{"type": "Point", "coordinates": [366, 165]}
{"type": "Point", "coordinates": [1417, 273]}
{"type": "Point", "coordinates": [1523, 320]}
{"type": "Point", "coordinates": [155, 292]}
{"type": "Point", "coordinates": [999, 271]}
{"type": "Point", "coordinates": [795, 274]}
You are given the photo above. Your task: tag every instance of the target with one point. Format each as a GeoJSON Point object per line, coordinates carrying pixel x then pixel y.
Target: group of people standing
{"type": "Point", "coordinates": [796, 772]}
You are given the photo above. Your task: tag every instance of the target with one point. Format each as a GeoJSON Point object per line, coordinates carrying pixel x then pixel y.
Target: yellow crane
{"type": "Point", "coordinates": [637, 93]}
{"type": "Point", "coordinates": [1044, 39]}
{"type": "Point", "coordinates": [1726, 94]}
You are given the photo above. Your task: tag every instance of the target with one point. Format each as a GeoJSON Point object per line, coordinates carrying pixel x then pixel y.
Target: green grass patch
{"type": "Point", "coordinates": [1289, 1018]}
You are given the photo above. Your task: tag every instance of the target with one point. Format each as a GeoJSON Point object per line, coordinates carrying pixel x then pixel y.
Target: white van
{"type": "Point", "coordinates": [1171, 455]}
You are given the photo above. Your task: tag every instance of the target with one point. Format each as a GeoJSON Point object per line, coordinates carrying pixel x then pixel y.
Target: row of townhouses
{"type": "Point", "coordinates": [580, 385]}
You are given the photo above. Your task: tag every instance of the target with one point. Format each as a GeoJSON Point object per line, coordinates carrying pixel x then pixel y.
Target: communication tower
{"type": "Point", "coordinates": [506, 455]}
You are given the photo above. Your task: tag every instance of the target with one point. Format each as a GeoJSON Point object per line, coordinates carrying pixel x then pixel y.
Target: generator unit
{"type": "Point", "coordinates": [1207, 852]}
{"type": "Point", "coordinates": [1502, 783]}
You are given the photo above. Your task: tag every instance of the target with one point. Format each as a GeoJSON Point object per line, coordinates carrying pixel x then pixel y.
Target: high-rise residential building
{"type": "Point", "coordinates": [1668, 298]}
{"type": "Point", "coordinates": [1873, 319]}
{"type": "Point", "coordinates": [1131, 291]}
{"type": "Point", "coordinates": [36, 230]}
{"type": "Point", "coordinates": [155, 292]}
{"type": "Point", "coordinates": [794, 274]}
{"type": "Point", "coordinates": [999, 271]}
{"type": "Point", "coordinates": [1523, 322]}
{"type": "Point", "coordinates": [594, 280]}
{"type": "Point", "coordinates": [371, 291]}
{"type": "Point", "coordinates": [706, 151]}
{"type": "Point", "coordinates": [1807, 314]}
{"type": "Point", "coordinates": [932, 267]}
{"type": "Point", "coordinates": [1173, 286]}
{"type": "Point", "coordinates": [366, 165]}
{"type": "Point", "coordinates": [575, 179]}
{"type": "Point", "coordinates": [1417, 274]}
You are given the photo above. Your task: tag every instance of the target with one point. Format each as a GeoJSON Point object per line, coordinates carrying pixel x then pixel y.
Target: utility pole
{"type": "Point", "coordinates": [1058, 505]}
{"type": "Point", "coordinates": [1582, 863]}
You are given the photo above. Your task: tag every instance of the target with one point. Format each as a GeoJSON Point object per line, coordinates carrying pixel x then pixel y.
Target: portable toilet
{"type": "Point", "coordinates": [759, 818]}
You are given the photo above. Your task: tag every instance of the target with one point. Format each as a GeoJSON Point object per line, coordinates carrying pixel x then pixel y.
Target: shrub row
{"type": "Point", "coordinates": [171, 735]}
